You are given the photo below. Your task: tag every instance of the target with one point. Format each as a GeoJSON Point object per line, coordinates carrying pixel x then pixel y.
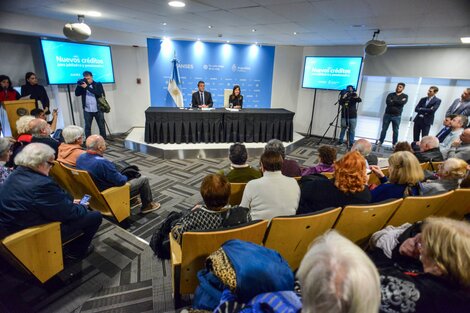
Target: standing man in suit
{"type": "Point", "coordinates": [426, 108]}
{"type": "Point", "coordinates": [461, 106]}
{"type": "Point", "coordinates": [395, 103]}
{"type": "Point", "coordinates": [201, 98]}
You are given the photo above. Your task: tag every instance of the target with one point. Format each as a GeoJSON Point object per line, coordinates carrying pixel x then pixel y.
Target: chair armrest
{"type": "Point", "coordinates": [175, 249]}
{"type": "Point", "coordinates": [118, 199]}
{"type": "Point", "coordinates": [29, 232]}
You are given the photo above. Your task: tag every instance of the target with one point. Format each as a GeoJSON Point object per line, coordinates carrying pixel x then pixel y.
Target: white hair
{"type": "Point", "coordinates": [4, 145]}
{"type": "Point", "coordinates": [337, 276]}
{"type": "Point", "coordinates": [453, 168]}
{"type": "Point", "coordinates": [37, 125]}
{"type": "Point", "coordinates": [22, 124]}
{"type": "Point", "coordinates": [276, 146]}
{"type": "Point", "coordinates": [72, 133]}
{"type": "Point", "coordinates": [431, 141]}
{"type": "Point", "coordinates": [33, 155]}
{"type": "Point", "coordinates": [364, 147]}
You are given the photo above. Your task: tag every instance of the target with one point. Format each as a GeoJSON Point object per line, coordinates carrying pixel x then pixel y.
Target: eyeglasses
{"type": "Point", "coordinates": [50, 163]}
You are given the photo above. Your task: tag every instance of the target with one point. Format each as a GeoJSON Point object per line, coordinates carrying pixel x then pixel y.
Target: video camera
{"type": "Point", "coordinates": [81, 81]}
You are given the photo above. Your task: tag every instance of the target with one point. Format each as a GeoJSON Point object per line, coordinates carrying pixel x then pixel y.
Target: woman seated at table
{"type": "Point", "coordinates": [235, 100]}
{"type": "Point", "coordinates": [215, 191]}
{"type": "Point", "coordinates": [405, 176]}
{"type": "Point", "coordinates": [348, 186]}
{"type": "Point", "coordinates": [450, 173]}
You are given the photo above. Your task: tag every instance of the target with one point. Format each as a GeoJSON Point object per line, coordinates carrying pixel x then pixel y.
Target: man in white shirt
{"type": "Point", "coordinates": [457, 126]}
{"type": "Point", "coordinates": [273, 194]}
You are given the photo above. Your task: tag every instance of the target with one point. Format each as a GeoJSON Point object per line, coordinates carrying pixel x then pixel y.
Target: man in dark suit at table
{"type": "Point", "coordinates": [201, 98]}
{"type": "Point", "coordinates": [425, 108]}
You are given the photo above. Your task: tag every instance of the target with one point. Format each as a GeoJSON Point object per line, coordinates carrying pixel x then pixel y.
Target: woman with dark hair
{"type": "Point", "coordinates": [214, 214]}
{"type": "Point", "coordinates": [348, 186]}
{"type": "Point", "coordinates": [235, 100]}
{"type": "Point", "coordinates": [35, 91]}
{"type": "Point", "coordinates": [7, 93]}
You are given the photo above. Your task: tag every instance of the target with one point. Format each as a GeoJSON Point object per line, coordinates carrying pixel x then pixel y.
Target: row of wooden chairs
{"type": "Point", "coordinates": [292, 235]}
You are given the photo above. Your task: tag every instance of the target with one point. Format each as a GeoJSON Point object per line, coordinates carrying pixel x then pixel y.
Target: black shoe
{"type": "Point", "coordinates": [75, 256]}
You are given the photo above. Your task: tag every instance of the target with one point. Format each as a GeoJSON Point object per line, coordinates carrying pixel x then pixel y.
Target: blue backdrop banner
{"type": "Point", "coordinates": [220, 66]}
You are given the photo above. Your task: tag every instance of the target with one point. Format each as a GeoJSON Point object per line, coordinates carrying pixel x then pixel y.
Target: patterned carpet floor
{"type": "Point", "coordinates": [122, 274]}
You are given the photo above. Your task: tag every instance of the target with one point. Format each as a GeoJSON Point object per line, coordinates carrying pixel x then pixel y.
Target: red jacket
{"type": "Point", "coordinates": [11, 94]}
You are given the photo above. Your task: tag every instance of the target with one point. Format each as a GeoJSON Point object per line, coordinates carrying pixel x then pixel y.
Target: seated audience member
{"type": "Point", "coordinates": [450, 173]}
{"type": "Point", "coordinates": [273, 194]}
{"type": "Point", "coordinates": [443, 285]}
{"type": "Point", "coordinates": [5, 153]}
{"type": "Point", "coordinates": [105, 175]}
{"type": "Point", "coordinates": [405, 175]}
{"type": "Point", "coordinates": [457, 126]}
{"type": "Point", "coordinates": [445, 131]}
{"type": "Point", "coordinates": [327, 156]}
{"type": "Point", "coordinates": [290, 168]}
{"type": "Point", "coordinates": [41, 132]}
{"type": "Point", "coordinates": [240, 171]}
{"type": "Point", "coordinates": [402, 146]}
{"type": "Point", "coordinates": [461, 148]}
{"type": "Point", "coordinates": [30, 197]}
{"type": "Point", "coordinates": [72, 148]}
{"type": "Point", "coordinates": [347, 187]}
{"type": "Point", "coordinates": [337, 276]}
{"type": "Point", "coordinates": [215, 191]}
{"type": "Point", "coordinates": [39, 113]}
{"type": "Point", "coordinates": [23, 129]}
{"type": "Point", "coordinates": [364, 147]}
{"type": "Point", "coordinates": [429, 150]}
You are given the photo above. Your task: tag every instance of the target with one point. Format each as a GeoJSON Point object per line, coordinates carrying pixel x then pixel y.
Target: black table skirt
{"type": "Point", "coordinates": [173, 125]}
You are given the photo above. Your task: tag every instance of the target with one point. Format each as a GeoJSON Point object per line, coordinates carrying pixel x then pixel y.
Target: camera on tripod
{"type": "Point", "coordinates": [81, 81]}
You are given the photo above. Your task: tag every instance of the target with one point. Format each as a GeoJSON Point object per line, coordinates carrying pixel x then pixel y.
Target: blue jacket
{"type": "Point", "coordinates": [386, 191]}
{"type": "Point", "coordinates": [28, 198]}
{"type": "Point", "coordinates": [102, 171]}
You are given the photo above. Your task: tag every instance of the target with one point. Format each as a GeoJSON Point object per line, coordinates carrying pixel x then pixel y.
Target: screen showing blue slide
{"type": "Point", "coordinates": [66, 61]}
{"type": "Point", "coordinates": [219, 65]}
{"type": "Point", "coordinates": [334, 73]}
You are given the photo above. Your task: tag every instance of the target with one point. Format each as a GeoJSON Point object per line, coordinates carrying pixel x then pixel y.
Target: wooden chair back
{"type": "Point", "coordinates": [63, 178]}
{"type": "Point", "coordinates": [36, 250]}
{"type": "Point", "coordinates": [236, 193]}
{"type": "Point", "coordinates": [359, 222]}
{"type": "Point", "coordinates": [328, 175]}
{"type": "Point", "coordinates": [196, 247]}
{"type": "Point", "coordinates": [292, 235]}
{"type": "Point", "coordinates": [114, 202]}
{"type": "Point", "coordinates": [374, 179]}
{"type": "Point", "coordinates": [414, 209]}
{"type": "Point", "coordinates": [457, 206]}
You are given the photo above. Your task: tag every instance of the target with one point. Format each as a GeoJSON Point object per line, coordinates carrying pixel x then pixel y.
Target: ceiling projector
{"type": "Point", "coordinates": [374, 46]}
{"type": "Point", "coordinates": [77, 31]}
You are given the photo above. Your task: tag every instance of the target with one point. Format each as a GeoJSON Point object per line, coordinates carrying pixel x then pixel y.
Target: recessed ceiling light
{"type": "Point", "coordinates": [295, 33]}
{"type": "Point", "coordinates": [210, 26]}
{"type": "Point", "coordinates": [93, 13]}
{"type": "Point", "coordinates": [164, 23]}
{"type": "Point", "coordinates": [199, 39]}
{"type": "Point", "coordinates": [465, 39]}
{"type": "Point", "coordinates": [177, 4]}
{"type": "Point", "coordinates": [228, 41]}
{"type": "Point", "coordinates": [253, 30]}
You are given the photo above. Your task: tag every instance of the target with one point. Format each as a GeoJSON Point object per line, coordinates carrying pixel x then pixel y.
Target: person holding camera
{"type": "Point", "coordinates": [90, 91]}
{"type": "Point", "coordinates": [348, 102]}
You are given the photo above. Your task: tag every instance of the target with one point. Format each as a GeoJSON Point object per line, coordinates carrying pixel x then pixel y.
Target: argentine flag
{"type": "Point", "coordinates": [173, 83]}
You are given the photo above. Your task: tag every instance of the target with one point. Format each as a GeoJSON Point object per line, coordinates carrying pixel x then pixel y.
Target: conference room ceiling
{"type": "Point", "coordinates": [315, 22]}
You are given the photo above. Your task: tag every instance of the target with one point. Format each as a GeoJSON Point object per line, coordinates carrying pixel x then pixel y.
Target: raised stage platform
{"type": "Point", "coordinates": [135, 141]}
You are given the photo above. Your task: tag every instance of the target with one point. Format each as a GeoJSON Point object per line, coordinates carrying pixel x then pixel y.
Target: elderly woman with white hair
{"type": "Point", "coordinates": [72, 148]}
{"type": "Point", "coordinates": [30, 197]}
{"type": "Point", "coordinates": [290, 168]}
{"type": "Point", "coordinates": [337, 276]}
{"type": "Point", "coordinates": [4, 157]}
{"type": "Point", "coordinates": [450, 174]}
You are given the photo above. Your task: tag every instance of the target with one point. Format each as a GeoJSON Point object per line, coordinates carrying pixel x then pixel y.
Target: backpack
{"type": "Point", "coordinates": [160, 242]}
{"type": "Point", "coordinates": [130, 171]}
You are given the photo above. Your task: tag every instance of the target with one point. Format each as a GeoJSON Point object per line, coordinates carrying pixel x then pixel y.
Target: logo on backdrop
{"type": "Point", "coordinates": [220, 66]}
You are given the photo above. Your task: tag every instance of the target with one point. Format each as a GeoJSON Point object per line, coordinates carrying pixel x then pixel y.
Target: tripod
{"type": "Point", "coordinates": [333, 122]}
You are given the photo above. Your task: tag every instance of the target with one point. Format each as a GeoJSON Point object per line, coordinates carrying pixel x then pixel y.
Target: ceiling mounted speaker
{"type": "Point", "coordinates": [375, 46]}
{"type": "Point", "coordinates": [77, 31]}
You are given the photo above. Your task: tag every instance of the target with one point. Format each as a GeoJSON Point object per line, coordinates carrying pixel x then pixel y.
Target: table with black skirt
{"type": "Point", "coordinates": [173, 125]}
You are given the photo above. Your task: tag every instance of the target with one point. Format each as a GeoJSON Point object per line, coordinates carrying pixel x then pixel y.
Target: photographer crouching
{"type": "Point", "coordinates": [348, 101]}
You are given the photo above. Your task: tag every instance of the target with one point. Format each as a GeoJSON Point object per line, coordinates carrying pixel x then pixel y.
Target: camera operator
{"type": "Point", "coordinates": [90, 91]}
{"type": "Point", "coordinates": [348, 101]}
